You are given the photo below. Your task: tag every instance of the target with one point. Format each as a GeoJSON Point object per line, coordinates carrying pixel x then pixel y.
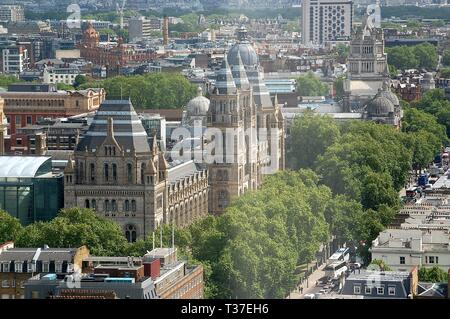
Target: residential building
{"type": "Point", "coordinates": [139, 28]}
{"type": "Point", "coordinates": [56, 75]}
{"type": "Point", "coordinates": [20, 264]}
{"type": "Point", "coordinates": [11, 13]}
{"type": "Point", "coordinates": [48, 135]}
{"type": "Point", "coordinates": [402, 249]}
{"type": "Point", "coordinates": [29, 190]}
{"type": "Point", "coordinates": [382, 284]}
{"type": "Point", "coordinates": [326, 20]}
{"type": "Point", "coordinates": [157, 275]}
{"type": "Point", "coordinates": [27, 27]}
{"type": "Point", "coordinates": [15, 59]}
{"type": "Point", "coordinates": [26, 104]}
{"type": "Point", "coordinates": [124, 175]}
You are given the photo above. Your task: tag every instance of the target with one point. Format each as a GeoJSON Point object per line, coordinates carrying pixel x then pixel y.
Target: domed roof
{"type": "Point", "coordinates": [199, 105]}
{"type": "Point", "coordinates": [391, 97]}
{"type": "Point", "coordinates": [380, 105]}
{"type": "Point", "coordinates": [247, 52]}
{"type": "Point", "coordinates": [387, 93]}
{"type": "Point", "coordinates": [244, 48]}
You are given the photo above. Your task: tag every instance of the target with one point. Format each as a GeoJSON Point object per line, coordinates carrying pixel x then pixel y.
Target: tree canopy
{"type": "Point", "coordinates": [310, 85]}
{"type": "Point", "coordinates": [75, 227]}
{"type": "Point", "coordinates": [435, 274]}
{"type": "Point", "coordinates": [412, 57]}
{"type": "Point", "coordinates": [149, 91]}
{"type": "Point", "coordinates": [446, 58]}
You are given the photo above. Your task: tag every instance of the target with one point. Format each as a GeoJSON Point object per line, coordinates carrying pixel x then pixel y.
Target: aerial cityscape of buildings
{"type": "Point", "coordinates": [158, 116]}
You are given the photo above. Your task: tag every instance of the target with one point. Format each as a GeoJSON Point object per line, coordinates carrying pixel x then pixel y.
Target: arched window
{"type": "Point", "coordinates": [129, 173]}
{"type": "Point", "coordinates": [130, 233]}
{"type": "Point", "coordinates": [107, 208]}
{"type": "Point", "coordinates": [86, 203]}
{"type": "Point", "coordinates": [126, 205]}
{"type": "Point", "coordinates": [92, 172]}
{"type": "Point", "coordinates": [114, 172]}
{"type": "Point", "coordinates": [133, 205]}
{"type": "Point", "coordinates": [94, 204]}
{"type": "Point", "coordinates": [114, 205]}
{"type": "Point", "coordinates": [106, 172]}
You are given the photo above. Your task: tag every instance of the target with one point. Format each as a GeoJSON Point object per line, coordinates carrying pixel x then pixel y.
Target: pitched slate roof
{"type": "Point", "coordinates": [127, 128]}
{"type": "Point", "coordinates": [224, 80]}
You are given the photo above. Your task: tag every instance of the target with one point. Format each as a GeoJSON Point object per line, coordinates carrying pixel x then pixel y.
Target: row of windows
{"type": "Point", "coordinates": [18, 267]}
{"type": "Point", "coordinates": [111, 206]}
{"type": "Point", "coordinates": [357, 289]}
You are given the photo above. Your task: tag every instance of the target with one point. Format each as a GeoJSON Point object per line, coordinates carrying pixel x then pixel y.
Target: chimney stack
{"type": "Point", "coordinates": [166, 30]}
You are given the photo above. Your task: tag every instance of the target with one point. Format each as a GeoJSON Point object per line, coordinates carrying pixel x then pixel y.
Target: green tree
{"type": "Point", "coordinates": [6, 80]}
{"type": "Point", "coordinates": [339, 88]}
{"type": "Point", "coordinates": [446, 58]}
{"type": "Point", "coordinates": [435, 275]}
{"type": "Point", "coordinates": [379, 265]}
{"type": "Point", "coordinates": [80, 79]}
{"type": "Point", "coordinates": [342, 52]}
{"type": "Point", "coordinates": [64, 87]}
{"type": "Point", "coordinates": [427, 55]}
{"type": "Point", "coordinates": [310, 85]}
{"type": "Point", "coordinates": [402, 57]}
{"type": "Point", "coordinates": [75, 227]}
{"type": "Point", "coordinates": [311, 135]}
{"type": "Point", "coordinates": [149, 91]}
{"type": "Point", "coordinates": [445, 72]}
{"type": "Point", "coordinates": [10, 227]}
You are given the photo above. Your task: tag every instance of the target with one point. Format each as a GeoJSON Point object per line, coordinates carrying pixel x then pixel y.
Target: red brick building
{"type": "Point", "coordinates": [113, 56]}
{"type": "Point", "coordinates": [25, 104]}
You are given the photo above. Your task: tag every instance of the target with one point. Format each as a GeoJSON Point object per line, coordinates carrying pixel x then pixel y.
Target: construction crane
{"type": "Point", "coordinates": [120, 12]}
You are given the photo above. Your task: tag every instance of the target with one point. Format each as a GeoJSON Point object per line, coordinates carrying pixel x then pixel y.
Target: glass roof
{"type": "Point", "coordinates": [22, 166]}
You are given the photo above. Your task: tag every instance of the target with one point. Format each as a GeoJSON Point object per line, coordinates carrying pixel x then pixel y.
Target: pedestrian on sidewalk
{"type": "Point", "coordinates": [301, 290]}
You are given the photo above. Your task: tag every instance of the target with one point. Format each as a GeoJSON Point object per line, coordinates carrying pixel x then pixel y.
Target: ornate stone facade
{"type": "Point", "coordinates": [120, 174]}
{"type": "Point", "coordinates": [367, 66]}
{"type": "Point", "coordinates": [241, 102]}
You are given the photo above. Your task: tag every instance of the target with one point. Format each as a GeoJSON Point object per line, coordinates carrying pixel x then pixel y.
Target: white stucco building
{"type": "Point", "coordinates": [402, 249]}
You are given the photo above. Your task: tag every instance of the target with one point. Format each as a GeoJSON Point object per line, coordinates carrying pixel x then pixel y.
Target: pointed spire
{"type": "Point", "coordinates": [162, 162]}
{"type": "Point", "coordinates": [70, 168]}
{"type": "Point", "coordinates": [151, 169]}
{"type": "Point", "coordinates": [155, 147]}
{"type": "Point", "coordinates": [239, 74]}
{"type": "Point", "coordinates": [224, 79]}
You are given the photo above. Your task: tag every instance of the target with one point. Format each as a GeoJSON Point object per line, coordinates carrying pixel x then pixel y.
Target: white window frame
{"type": "Point", "coordinates": [357, 289]}
{"type": "Point", "coordinates": [5, 283]}
{"type": "Point", "coordinates": [404, 260]}
{"type": "Point", "coordinates": [18, 267]}
{"type": "Point", "coordinates": [431, 259]}
{"type": "Point", "coordinates": [368, 290]}
{"type": "Point", "coordinates": [391, 289]}
{"type": "Point", "coordinates": [30, 267]}
{"type": "Point", "coordinates": [58, 267]}
{"type": "Point", "coordinates": [378, 290]}
{"type": "Point", "coordinates": [45, 267]}
{"type": "Point", "coordinates": [6, 266]}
